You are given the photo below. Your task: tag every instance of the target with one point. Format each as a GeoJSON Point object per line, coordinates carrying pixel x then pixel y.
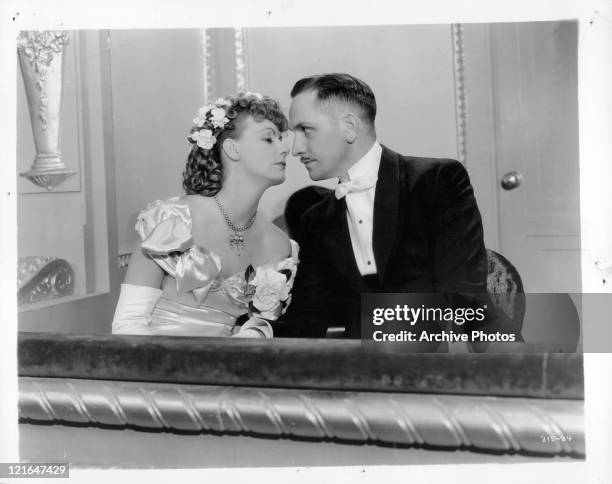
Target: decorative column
{"type": "Point", "coordinates": [460, 92]}
{"type": "Point", "coordinates": [240, 52]}
{"type": "Point", "coordinates": [41, 59]}
{"type": "Point", "coordinates": [207, 64]}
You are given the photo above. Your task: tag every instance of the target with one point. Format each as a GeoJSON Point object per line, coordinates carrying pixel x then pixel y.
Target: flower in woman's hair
{"type": "Point", "coordinates": [256, 95]}
{"type": "Point", "coordinates": [220, 102]}
{"type": "Point", "coordinates": [204, 138]}
{"type": "Point", "coordinates": [218, 119]}
{"type": "Point", "coordinates": [199, 120]}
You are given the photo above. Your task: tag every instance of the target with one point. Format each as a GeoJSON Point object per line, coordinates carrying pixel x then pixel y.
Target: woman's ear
{"type": "Point", "coordinates": [350, 123]}
{"type": "Point", "coordinates": [230, 148]}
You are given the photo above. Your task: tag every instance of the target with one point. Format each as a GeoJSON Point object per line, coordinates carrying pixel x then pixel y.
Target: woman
{"type": "Point", "coordinates": [207, 260]}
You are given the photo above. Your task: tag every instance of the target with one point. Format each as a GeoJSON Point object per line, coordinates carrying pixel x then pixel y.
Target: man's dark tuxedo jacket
{"type": "Point", "coordinates": [427, 237]}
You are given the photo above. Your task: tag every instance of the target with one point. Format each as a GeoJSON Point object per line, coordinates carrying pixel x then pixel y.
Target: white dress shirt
{"type": "Point", "coordinates": [360, 209]}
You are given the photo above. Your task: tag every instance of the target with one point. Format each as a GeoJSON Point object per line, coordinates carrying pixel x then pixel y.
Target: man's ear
{"type": "Point", "coordinates": [351, 124]}
{"type": "Point", "coordinates": [231, 150]}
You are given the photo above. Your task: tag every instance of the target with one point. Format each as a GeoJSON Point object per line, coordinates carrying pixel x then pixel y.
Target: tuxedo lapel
{"type": "Point", "coordinates": [337, 240]}
{"type": "Point", "coordinates": [386, 210]}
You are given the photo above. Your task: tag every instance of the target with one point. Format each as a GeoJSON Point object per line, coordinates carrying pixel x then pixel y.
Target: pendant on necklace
{"type": "Point", "coordinates": [236, 242]}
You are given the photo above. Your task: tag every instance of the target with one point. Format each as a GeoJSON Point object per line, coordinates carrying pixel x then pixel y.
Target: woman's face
{"type": "Point", "coordinates": [262, 150]}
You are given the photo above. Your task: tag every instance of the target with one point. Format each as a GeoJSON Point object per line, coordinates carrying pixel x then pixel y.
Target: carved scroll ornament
{"type": "Point", "coordinates": [508, 425]}
{"type": "Point", "coordinates": [41, 278]}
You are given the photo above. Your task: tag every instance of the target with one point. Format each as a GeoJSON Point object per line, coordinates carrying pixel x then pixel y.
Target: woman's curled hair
{"type": "Point", "coordinates": [215, 122]}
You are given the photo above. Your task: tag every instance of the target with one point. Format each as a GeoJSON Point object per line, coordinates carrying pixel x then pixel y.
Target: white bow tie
{"type": "Point", "coordinates": [352, 186]}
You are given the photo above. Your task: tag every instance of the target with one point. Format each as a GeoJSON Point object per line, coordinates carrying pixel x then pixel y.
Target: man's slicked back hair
{"type": "Point", "coordinates": [343, 87]}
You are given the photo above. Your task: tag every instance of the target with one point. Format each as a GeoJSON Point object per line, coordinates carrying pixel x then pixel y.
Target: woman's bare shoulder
{"type": "Point", "coordinates": [202, 209]}
{"type": "Point", "coordinates": [274, 242]}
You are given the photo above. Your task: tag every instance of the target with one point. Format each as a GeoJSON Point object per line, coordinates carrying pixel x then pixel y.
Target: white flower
{"type": "Point", "coordinates": [270, 289]}
{"type": "Point", "coordinates": [220, 102]}
{"type": "Point", "coordinates": [272, 314]}
{"type": "Point", "coordinates": [219, 122]}
{"type": "Point", "coordinates": [218, 117]}
{"type": "Point", "coordinates": [287, 264]}
{"type": "Point", "coordinates": [200, 119]}
{"type": "Point", "coordinates": [217, 113]}
{"type": "Point", "coordinates": [204, 138]}
{"type": "Point", "coordinates": [254, 94]}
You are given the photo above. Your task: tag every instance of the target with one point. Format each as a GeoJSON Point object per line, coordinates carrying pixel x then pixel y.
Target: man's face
{"type": "Point", "coordinates": [319, 139]}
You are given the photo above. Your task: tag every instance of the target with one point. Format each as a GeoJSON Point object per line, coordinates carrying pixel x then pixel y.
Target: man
{"type": "Point", "coordinates": [394, 223]}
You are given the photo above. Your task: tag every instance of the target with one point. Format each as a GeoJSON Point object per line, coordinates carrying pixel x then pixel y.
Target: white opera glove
{"type": "Point", "coordinates": [134, 308]}
{"type": "Point", "coordinates": [254, 328]}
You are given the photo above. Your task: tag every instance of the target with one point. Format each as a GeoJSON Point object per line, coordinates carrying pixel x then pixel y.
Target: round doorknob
{"type": "Point", "coordinates": [511, 180]}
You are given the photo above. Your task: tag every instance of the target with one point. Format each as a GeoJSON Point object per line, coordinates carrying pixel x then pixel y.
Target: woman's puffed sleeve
{"type": "Point", "coordinates": [165, 229]}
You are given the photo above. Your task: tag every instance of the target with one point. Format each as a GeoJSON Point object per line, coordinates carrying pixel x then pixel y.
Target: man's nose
{"type": "Point", "coordinates": [298, 145]}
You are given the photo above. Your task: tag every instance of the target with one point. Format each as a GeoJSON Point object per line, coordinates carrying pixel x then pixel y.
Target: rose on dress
{"type": "Point", "coordinates": [273, 314]}
{"type": "Point", "coordinates": [289, 268]}
{"type": "Point", "coordinates": [270, 291]}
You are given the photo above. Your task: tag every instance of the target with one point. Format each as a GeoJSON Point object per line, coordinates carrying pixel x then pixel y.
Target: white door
{"type": "Point", "coordinates": [535, 96]}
